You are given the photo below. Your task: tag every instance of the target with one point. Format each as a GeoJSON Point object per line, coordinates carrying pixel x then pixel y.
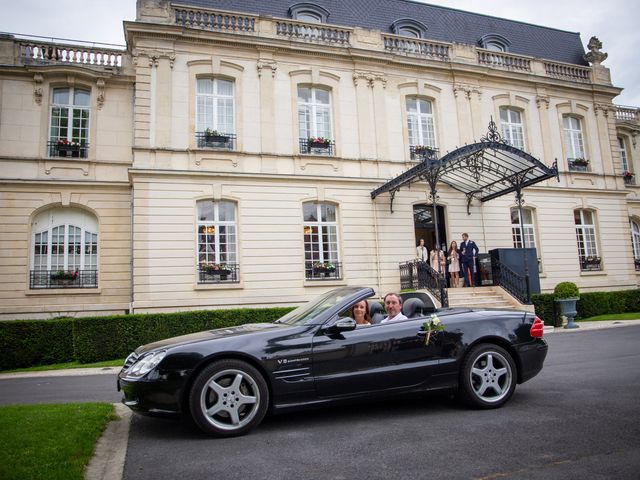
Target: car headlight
{"type": "Point", "coordinates": [146, 363]}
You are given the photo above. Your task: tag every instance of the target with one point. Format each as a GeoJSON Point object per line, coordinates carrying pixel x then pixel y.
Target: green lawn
{"type": "Point", "coordinates": [61, 366]}
{"type": "Point", "coordinates": [50, 442]}
{"type": "Point", "coordinates": [612, 316]}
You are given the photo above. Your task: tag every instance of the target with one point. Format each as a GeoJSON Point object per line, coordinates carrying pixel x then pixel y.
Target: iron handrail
{"type": "Point", "coordinates": [416, 275]}
{"type": "Point", "coordinates": [514, 283]}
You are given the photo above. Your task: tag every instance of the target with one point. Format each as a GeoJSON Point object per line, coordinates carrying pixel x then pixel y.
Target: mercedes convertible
{"type": "Point", "coordinates": [228, 379]}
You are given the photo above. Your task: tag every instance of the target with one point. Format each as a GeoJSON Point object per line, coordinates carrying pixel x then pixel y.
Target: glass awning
{"type": "Point", "coordinates": [484, 170]}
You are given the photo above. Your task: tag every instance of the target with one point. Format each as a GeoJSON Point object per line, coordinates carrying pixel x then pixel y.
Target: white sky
{"type": "Point", "coordinates": [614, 22]}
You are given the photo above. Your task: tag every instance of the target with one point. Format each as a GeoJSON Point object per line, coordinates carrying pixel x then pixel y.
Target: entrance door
{"type": "Point", "coordinates": [425, 226]}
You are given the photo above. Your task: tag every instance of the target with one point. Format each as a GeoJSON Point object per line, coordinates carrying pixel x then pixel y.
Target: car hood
{"type": "Point", "coordinates": [207, 335]}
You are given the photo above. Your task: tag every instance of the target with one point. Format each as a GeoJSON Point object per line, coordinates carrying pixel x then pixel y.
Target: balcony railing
{"type": "Point", "coordinates": [228, 273]}
{"type": "Point", "coordinates": [327, 271]}
{"type": "Point", "coordinates": [226, 141]}
{"type": "Point", "coordinates": [504, 60]}
{"type": "Point", "coordinates": [415, 46]}
{"type": "Point", "coordinates": [68, 150]}
{"type": "Point", "coordinates": [578, 165]}
{"type": "Point", "coordinates": [629, 179]}
{"type": "Point", "coordinates": [511, 281]}
{"type": "Point", "coordinates": [420, 153]}
{"type": "Point", "coordinates": [39, 52]}
{"type": "Point", "coordinates": [316, 148]}
{"type": "Point", "coordinates": [590, 264]}
{"type": "Point", "coordinates": [636, 264]}
{"type": "Point", "coordinates": [63, 279]}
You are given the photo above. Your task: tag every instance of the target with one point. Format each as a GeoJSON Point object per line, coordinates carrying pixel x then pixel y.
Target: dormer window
{"type": "Point", "coordinates": [409, 28]}
{"type": "Point", "coordinates": [308, 12]}
{"type": "Point", "coordinates": [495, 43]}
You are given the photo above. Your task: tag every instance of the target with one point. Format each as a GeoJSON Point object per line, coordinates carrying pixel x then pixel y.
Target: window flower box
{"type": "Point", "coordinates": [316, 145]}
{"type": "Point", "coordinates": [628, 177]}
{"type": "Point", "coordinates": [590, 263]}
{"type": "Point", "coordinates": [578, 164]}
{"type": "Point", "coordinates": [214, 139]}
{"type": "Point", "coordinates": [65, 148]}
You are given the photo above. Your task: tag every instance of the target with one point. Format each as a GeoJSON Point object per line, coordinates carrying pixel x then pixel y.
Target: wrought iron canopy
{"type": "Point", "coordinates": [484, 170]}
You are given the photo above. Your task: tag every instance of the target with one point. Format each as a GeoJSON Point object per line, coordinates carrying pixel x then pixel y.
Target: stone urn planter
{"type": "Point", "coordinates": [566, 295]}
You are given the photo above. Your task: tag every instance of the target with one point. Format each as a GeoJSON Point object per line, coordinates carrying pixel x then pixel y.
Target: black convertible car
{"type": "Point", "coordinates": [227, 379]}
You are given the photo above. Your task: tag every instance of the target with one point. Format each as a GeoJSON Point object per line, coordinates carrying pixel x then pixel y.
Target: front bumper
{"type": "Point", "coordinates": [154, 394]}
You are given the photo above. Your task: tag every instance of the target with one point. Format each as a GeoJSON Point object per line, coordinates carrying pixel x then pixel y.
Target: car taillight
{"type": "Point", "coordinates": [537, 329]}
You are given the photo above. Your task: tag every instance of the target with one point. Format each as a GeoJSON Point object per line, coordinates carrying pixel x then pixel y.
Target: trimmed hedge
{"type": "Point", "coordinates": [589, 305]}
{"type": "Point", "coordinates": [25, 343]}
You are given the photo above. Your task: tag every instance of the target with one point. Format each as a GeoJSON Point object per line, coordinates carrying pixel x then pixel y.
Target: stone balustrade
{"type": "Point", "coordinates": [424, 48]}
{"type": "Point", "coordinates": [504, 60]}
{"type": "Point", "coordinates": [38, 52]}
{"type": "Point", "coordinates": [216, 21]}
{"type": "Point", "coordinates": [565, 71]}
{"type": "Point", "coordinates": [627, 114]}
{"type": "Point", "coordinates": [313, 32]}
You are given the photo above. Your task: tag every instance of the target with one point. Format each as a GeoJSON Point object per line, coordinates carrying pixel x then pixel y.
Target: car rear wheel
{"type": "Point", "coordinates": [488, 377]}
{"type": "Point", "coordinates": [228, 398]}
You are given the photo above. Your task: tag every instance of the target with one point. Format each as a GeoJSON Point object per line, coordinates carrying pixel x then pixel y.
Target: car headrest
{"type": "Point", "coordinates": [376, 312]}
{"type": "Point", "coordinates": [413, 307]}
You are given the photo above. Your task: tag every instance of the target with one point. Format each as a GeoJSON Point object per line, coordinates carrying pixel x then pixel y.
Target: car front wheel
{"type": "Point", "coordinates": [228, 398]}
{"type": "Point", "coordinates": [488, 377]}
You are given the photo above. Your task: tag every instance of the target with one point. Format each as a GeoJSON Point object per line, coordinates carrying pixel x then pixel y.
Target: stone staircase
{"type": "Point", "coordinates": [484, 297]}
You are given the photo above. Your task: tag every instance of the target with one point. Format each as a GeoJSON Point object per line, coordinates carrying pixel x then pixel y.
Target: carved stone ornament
{"type": "Point", "coordinates": [271, 64]}
{"type": "Point", "coordinates": [466, 90]}
{"type": "Point", "coordinates": [369, 77]}
{"type": "Point", "coordinates": [37, 89]}
{"type": "Point", "coordinates": [602, 107]}
{"type": "Point", "coordinates": [100, 96]}
{"type": "Point", "coordinates": [595, 56]}
{"type": "Point", "coordinates": [542, 100]}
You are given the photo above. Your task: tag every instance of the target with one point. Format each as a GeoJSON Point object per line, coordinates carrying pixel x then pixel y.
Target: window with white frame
{"type": "Point", "coordinates": [217, 238]}
{"type": "Point", "coordinates": [635, 242]}
{"type": "Point", "coordinates": [623, 154]}
{"type": "Point", "coordinates": [314, 118]}
{"type": "Point", "coordinates": [573, 140]}
{"type": "Point", "coordinates": [320, 232]}
{"type": "Point", "coordinates": [421, 122]}
{"type": "Point", "coordinates": [512, 128]}
{"type": "Point", "coordinates": [65, 244]}
{"type": "Point", "coordinates": [527, 224]}
{"type": "Point", "coordinates": [70, 112]}
{"type": "Point", "coordinates": [586, 239]}
{"type": "Point", "coordinates": [215, 105]}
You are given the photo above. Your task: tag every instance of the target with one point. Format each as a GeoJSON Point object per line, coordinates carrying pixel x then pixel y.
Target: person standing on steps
{"type": "Point", "coordinates": [468, 252]}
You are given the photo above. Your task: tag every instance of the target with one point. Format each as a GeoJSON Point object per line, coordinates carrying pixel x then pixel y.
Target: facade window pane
{"type": "Point", "coordinates": [320, 233]}
{"type": "Point", "coordinates": [586, 239]}
{"type": "Point", "coordinates": [420, 122]}
{"type": "Point", "coordinates": [215, 108]}
{"type": "Point", "coordinates": [529, 228]}
{"type": "Point", "coordinates": [217, 241]}
{"type": "Point", "coordinates": [623, 154]}
{"type": "Point", "coordinates": [64, 240]}
{"type": "Point", "coordinates": [314, 113]}
{"type": "Point", "coordinates": [69, 120]}
{"type": "Point", "coordinates": [635, 243]}
{"type": "Point", "coordinates": [574, 144]}
{"type": "Point", "coordinates": [512, 128]}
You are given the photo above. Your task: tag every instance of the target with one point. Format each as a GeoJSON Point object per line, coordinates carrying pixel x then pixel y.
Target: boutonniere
{"type": "Point", "coordinates": [432, 325]}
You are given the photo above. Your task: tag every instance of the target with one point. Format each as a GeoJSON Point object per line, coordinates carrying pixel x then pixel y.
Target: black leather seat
{"type": "Point", "coordinates": [376, 312]}
{"type": "Point", "coordinates": [413, 308]}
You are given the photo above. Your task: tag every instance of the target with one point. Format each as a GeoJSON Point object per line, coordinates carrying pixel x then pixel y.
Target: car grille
{"type": "Point", "coordinates": [131, 359]}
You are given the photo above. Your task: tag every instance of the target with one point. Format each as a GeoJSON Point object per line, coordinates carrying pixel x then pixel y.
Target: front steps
{"type": "Point", "coordinates": [484, 297]}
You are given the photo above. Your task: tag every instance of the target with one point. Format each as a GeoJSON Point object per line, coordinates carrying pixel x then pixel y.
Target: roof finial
{"type": "Point", "coordinates": [595, 56]}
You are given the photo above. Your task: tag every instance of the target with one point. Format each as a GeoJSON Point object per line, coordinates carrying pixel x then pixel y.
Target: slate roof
{"type": "Point", "coordinates": [443, 24]}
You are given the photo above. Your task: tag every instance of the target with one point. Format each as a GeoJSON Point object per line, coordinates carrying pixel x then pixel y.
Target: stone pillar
{"type": "Point", "coordinates": [463, 111]}
{"type": "Point", "coordinates": [379, 86]}
{"type": "Point", "coordinates": [142, 118]}
{"type": "Point", "coordinates": [163, 102]}
{"type": "Point", "coordinates": [542, 102]}
{"type": "Point", "coordinates": [267, 73]}
{"type": "Point", "coordinates": [366, 127]}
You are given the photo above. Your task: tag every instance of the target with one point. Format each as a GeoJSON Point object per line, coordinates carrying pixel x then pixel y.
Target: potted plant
{"type": "Point", "coordinates": [218, 269]}
{"type": "Point", "coordinates": [423, 150]}
{"type": "Point", "coordinates": [318, 142]}
{"type": "Point", "coordinates": [627, 176]}
{"type": "Point", "coordinates": [566, 295]}
{"type": "Point", "coordinates": [215, 136]}
{"type": "Point", "coordinates": [64, 278]}
{"type": "Point", "coordinates": [323, 268]}
{"type": "Point", "coordinates": [65, 147]}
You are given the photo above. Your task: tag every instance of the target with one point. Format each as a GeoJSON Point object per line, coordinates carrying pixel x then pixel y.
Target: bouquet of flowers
{"type": "Point", "coordinates": [430, 326]}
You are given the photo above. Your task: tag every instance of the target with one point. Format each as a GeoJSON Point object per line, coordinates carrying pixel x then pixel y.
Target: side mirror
{"type": "Point", "coordinates": [341, 325]}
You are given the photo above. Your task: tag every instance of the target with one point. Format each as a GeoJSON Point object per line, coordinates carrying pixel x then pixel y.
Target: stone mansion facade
{"type": "Point", "coordinates": [227, 156]}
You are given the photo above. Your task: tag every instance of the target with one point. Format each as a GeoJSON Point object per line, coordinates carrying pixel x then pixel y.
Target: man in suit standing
{"type": "Point", "coordinates": [468, 252]}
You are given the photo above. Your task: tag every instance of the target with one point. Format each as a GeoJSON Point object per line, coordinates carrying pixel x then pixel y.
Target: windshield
{"type": "Point", "coordinates": [308, 312]}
